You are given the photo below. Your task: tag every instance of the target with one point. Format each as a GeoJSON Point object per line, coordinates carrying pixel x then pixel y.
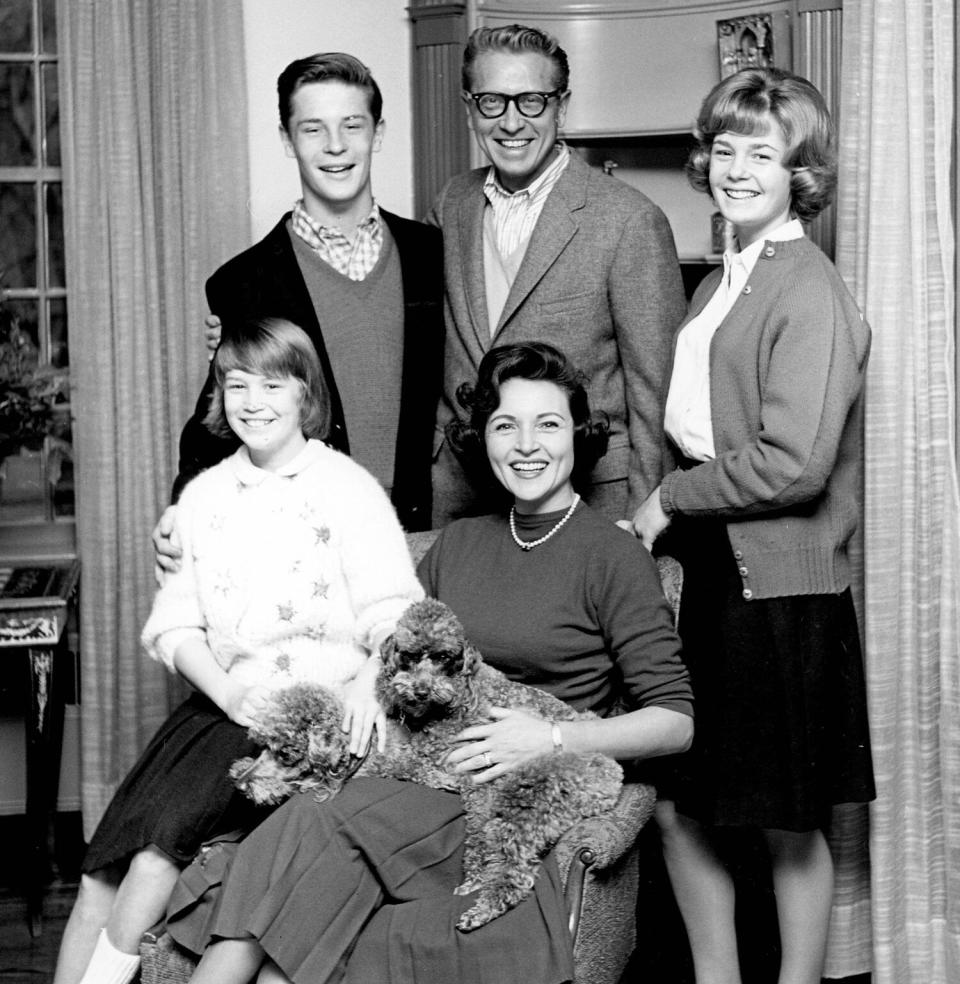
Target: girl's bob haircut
{"type": "Point", "coordinates": [524, 360]}
{"type": "Point", "coordinates": [745, 103]}
{"type": "Point", "coordinates": [276, 348]}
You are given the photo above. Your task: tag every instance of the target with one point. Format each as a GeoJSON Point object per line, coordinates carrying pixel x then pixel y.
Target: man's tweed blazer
{"type": "Point", "coordinates": [600, 281]}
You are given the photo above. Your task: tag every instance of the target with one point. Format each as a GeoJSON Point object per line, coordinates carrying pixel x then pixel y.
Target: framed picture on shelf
{"type": "Point", "coordinates": [745, 42]}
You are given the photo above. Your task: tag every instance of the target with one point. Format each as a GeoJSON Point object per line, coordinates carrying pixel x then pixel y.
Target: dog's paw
{"type": "Point", "coordinates": [487, 907]}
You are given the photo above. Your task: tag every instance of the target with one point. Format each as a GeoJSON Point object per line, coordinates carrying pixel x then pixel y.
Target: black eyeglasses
{"type": "Point", "coordinates": [490, 105]}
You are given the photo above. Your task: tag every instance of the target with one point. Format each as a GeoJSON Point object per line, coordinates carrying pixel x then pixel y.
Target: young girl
{"type": "Point", "coordinates": [764, 408]}
{"type": "Point", "coordinates": [294, 568]}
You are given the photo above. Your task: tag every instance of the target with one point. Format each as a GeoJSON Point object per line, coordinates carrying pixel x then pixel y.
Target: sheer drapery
{"type": "Point", "coordinates": [896, 251]}
{"type": "Point", "coordinates": [155, 183]}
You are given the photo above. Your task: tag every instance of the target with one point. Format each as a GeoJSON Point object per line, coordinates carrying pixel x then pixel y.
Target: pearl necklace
{"type": "Point", "coordinates": [530, 544]}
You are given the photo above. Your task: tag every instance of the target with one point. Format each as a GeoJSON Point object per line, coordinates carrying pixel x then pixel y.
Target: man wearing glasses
{"type": "Point", "coordinates": [539, 246]}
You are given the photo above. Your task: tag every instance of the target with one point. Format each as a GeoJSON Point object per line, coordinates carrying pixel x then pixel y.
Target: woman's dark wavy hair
{"type": "Point", "coordinates": [742, 104]}
{"type": "Point", "coordinates": [278, 348]}
{"type": "Point", "coordinates": [524, 360]}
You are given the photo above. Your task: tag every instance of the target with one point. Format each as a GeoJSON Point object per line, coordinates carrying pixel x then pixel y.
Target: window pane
{"type": "Point", "coordinates": [18, 239]}
{"type": "Point", "coordinates": [48, 26]}
{"type": "Point", "coordinates": [17, 125]}
{"type": "Point", "coordinates": [51, 123]}
{"type": "Point", "coordinates": [15, 18]}
{"type": "Point", "coordinates": [24, 310]}
{"type": "Point", "coordinates": [56, 273]}
{"type": "Point", "coordinates": [59, 353]}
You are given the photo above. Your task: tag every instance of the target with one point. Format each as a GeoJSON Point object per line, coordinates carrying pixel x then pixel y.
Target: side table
{"type": "Point", "coordinates": [36, 604]}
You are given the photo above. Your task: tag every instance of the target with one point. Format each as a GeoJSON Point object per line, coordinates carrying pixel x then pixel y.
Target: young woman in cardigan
{"type": "Point", "coordinates": [360, 888]}
{"type": "Point", "coordinates": [294, 568]}
{"type": "Point", "coordinates": [764, 409]}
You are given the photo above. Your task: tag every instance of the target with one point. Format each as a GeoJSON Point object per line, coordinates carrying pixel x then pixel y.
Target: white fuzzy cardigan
{"type": "Point", "coordinates": [290, 575]}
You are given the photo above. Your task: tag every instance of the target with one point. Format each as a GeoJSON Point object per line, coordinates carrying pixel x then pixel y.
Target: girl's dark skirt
{"type": "Point", "coordinates": [781, 729]}
{"type": "Point", "coordinates": [360, 889]}
{"type": "Point", "coordinates": [178, 795]}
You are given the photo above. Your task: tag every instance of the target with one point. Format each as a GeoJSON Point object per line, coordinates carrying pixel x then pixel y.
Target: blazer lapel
{"type": "Point", "coordinates": [470, 210]}
{"type": "Point", "coordinates": [555, 228]}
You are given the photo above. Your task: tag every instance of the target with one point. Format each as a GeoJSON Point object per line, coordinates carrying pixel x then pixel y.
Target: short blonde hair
{"type": "Point", "coordinates": [744, 103]}
{"type": "Point", "coordinates": [271, 347]}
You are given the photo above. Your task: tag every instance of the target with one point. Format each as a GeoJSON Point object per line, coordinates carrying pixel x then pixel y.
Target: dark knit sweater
{"type": "Point", "coordinates": [582, 616]}
{"type": "Point", "coordinates": [363, 331]}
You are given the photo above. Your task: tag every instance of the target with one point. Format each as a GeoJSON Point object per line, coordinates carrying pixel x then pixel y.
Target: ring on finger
{"type": "Point", "coordinates": [487, 760]}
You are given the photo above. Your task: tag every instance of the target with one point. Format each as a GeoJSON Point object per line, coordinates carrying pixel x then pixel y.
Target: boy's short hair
{"type": "Point", "coordinates": [277, 348]}
{"type": "Point", "coordinates": [742, 103]}
{"type": "Point", "coordinates": [516, 38]}
{"type": "Point", "coordinates": [327, 66]}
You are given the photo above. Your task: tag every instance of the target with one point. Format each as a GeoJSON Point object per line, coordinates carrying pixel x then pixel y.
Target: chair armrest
{"type": "Point", "coordinates": [606, 838]}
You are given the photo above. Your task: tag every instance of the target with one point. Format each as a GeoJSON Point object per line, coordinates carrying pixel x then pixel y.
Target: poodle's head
{"type": "Point", "coordinates": [427, 663]}
{"type": "Point", "coordinates": [305, 747]}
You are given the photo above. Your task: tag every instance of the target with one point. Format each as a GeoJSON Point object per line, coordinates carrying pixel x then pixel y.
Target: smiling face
{"type": "Point", "coordinates": [749, 181]}
{"type": "Point", "coordinates": [265, 413]}
{"type": "Point", "coordinates": [519, 147]}
{"type": "Point", "coordinates": [332, 135]}
{"type": "Point", "coordinates": [529, 440]}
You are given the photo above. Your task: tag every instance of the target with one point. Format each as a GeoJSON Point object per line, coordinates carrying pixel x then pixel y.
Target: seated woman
{"type": "Point", "coordinates": [360, 888]}
{"type": "Point", "coordinates": [276, 585]}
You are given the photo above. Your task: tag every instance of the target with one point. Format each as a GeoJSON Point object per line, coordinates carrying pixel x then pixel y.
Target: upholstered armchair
{"type": "Point", "coordinates": [597, 858]}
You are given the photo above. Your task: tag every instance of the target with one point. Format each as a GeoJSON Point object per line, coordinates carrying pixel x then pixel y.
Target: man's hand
{"type": "Point", "coordinates": [166, 545]}
{"type": "Point", "coordinates": [211, 333]}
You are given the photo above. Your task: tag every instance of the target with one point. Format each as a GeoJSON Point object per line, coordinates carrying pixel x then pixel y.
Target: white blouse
{"type": "Point", "coordinates": [688, 420]}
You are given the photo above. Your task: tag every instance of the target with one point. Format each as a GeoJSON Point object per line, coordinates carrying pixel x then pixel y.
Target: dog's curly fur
{"type": "Point", "coordinates": [434, 684]}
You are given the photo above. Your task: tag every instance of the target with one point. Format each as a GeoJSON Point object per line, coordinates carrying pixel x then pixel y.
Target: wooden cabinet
{"type": "Point", "coordinates": [639, 70]}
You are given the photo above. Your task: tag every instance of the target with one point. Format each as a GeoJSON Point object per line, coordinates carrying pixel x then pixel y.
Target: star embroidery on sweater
{"type": "Point", "coordinates": [295, 567]}
{"type": "Point", "coordinates": [320, 589]}
{"type": "Point", "coordinates": [316, 633]}
{"type": "Point", "coordinates": [285, 613]}
{"type": "Point", "coordinates": [322, 534]}
{"type": "Point", "coordinates": [216, 522]}
{"type": "Point", "coordinates": [282, 662]}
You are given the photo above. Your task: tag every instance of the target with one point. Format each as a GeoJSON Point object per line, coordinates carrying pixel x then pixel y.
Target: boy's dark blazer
{"type": "Point", "coordinates": [265, 281]}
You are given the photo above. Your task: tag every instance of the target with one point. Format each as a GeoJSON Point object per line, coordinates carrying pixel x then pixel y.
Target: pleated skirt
{"type": "Point", "coordinates": [178, 795]}
{"type": "Point", "coordinates": [781, 732]}
{"type": "Point", "coordinates": [360, 889]}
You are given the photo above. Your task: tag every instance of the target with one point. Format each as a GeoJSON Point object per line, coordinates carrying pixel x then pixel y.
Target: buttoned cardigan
{"type": "Point", "coordinates": [787, 369]}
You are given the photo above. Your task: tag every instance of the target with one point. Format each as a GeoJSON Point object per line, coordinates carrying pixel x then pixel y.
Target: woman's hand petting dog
{"type": "Point", "coordinates": [489, 751]}
{"type": "Point", "coordinates": [362, 713]}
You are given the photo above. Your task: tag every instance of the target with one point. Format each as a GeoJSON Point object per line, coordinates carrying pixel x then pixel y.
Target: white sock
{"type": "Point", "coordinates": [108, 965]}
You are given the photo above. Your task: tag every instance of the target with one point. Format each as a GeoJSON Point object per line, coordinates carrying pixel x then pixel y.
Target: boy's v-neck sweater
{"type": "Point", "coordinates": [362, 322]}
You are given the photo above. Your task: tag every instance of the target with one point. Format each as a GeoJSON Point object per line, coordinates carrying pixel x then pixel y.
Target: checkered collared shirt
{"type": "Point", "coordinates": [516, 213]}
{"type": "Point", "coordinates": [354, 260]}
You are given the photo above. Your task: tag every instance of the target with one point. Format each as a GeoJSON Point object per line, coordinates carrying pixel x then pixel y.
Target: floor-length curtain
{"type": "Point", "coordinates": [155, 182]}
{"type": "Point", "coordinates": [896, 250]}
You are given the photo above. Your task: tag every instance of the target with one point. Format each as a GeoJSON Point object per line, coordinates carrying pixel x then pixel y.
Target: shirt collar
{"type": "Point", "coordinates": [492, 187]}
{"type": "Point", "coordinates": [747, 258]}
{"type": "Point", "coordinates": [249, 474]}
{"type": "Point", "coordinates": [371, 223]}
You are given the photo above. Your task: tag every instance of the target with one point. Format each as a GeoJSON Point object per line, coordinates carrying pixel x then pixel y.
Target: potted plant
{"type": "Point", "coordinates": [34, 411]}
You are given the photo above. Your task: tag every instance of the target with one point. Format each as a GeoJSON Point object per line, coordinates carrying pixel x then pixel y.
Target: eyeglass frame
{"type": "Point", "coordinates": [515, 99]}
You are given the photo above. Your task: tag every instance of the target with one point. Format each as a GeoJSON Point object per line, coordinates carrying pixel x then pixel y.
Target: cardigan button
{"type": "Point", "coordinates": [770, 251]}
{"type": "Point", "coordinates": [747, 289]}
{"type": "Point", "coordinates": [747, 594]}
{"type": "Point", "coordinates": [738, 555]}
{"type": "Point", "coordinates": [742, 571]}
